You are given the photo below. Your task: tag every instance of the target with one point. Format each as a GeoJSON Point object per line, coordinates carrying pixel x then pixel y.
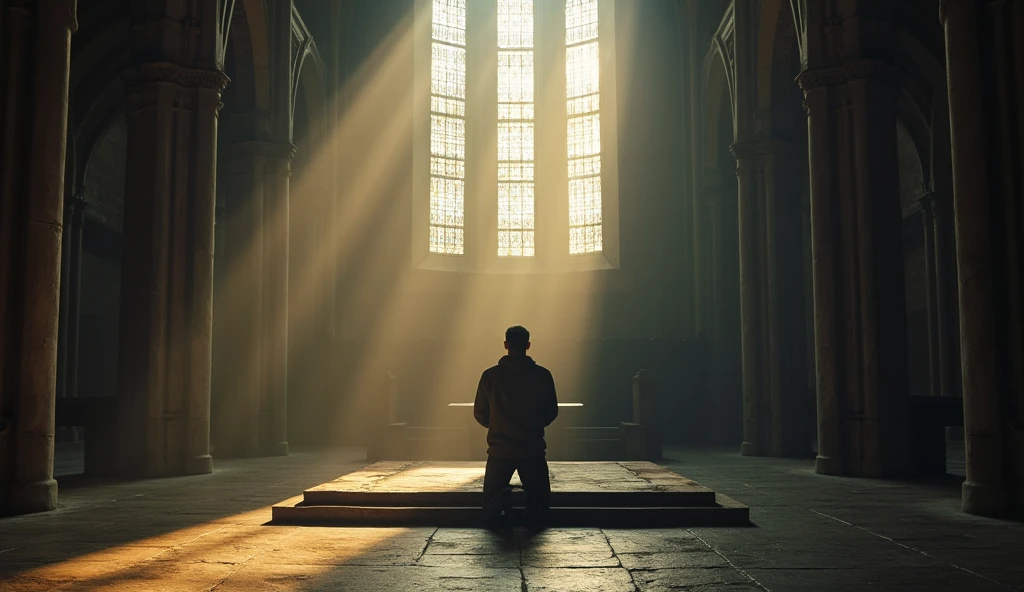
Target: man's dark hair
{"type": "Point", "coordinates": [517, 337]}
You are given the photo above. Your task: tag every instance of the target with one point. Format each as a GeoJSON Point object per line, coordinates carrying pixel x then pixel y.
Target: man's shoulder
{"type": "Point", "coordinates": [490, 372]}
{"type": "Point", "coordinates": [542, 370]}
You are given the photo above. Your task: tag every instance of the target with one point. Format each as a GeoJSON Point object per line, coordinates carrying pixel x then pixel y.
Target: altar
{"type": "Point", "coordinates": [463, 439]}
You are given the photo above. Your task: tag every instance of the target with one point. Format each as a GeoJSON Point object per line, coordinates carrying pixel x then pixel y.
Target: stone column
{"type": "Point", "coordinates": [73, 281]}
{"type": "Point", "coordinates": [276, 238]}
{"type": "Point", "coordinates": [786, 171]}
{"type": "Point", "coordinates": [751, 312]}
{"type": "Point", "coordinates": [275, 298]}
{"type": "Point", "coordinates": [33, 488]}
{"type": "Point", "coordinates": [65, 294]}
{"type": "Point", "coordinates": [254, 327]}
{"type": "Point", "coordinates": [167, 270]}
{"type": "Point", "coordinates": [824, 258]}
{"type": "Point", "coordinates": [78, 209]}
{"type": "Point", "coordinates": [985, 491]}
{"type": "Point", "coordinates": [927, 203]}
{"type": "Point", "coordinates": [947, 335]}
{"type": "Point", "coordinates": [772, 312]}
{"type": "Point", "coordinates": [725, 386]}
{"type": "Point", "coordinates": [860, 319]}
{"type": "Point", "coordinates": [240, 303]}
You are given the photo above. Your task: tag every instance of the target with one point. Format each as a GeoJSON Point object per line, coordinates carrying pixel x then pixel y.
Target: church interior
{"type": "Point", "coordinates": [255, 254]}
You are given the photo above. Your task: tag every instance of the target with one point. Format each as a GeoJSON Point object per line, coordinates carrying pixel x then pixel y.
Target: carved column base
{"type": "Point", "coordinates": [827, 465]}
{"type": "Point", "coordinates": [985, 500]}
{"type": "Point", "coordinates": [28, 498]}
{"type": "Point", "coordinates": [199, 465]}
{"type": "Point", "coordinates": [751, 449]}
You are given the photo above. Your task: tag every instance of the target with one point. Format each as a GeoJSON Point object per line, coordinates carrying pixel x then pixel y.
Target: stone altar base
{"type": "Point", "coordinates": [425, 493]}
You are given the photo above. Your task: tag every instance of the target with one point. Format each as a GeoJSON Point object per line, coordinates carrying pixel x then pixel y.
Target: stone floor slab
{"type": "Point", "coordinates": [690, 578]}
{"type": "Point", "coordinates": [811, 533]}
{"type": "Point", "coordinates": [578, 580]}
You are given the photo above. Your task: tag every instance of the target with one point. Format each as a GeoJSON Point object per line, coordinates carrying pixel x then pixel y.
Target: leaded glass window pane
{"type": "Point", "coordinates": [583, 80]}
{"type": "Point", "coordinates": [515, 129]}
{"type": "Point", "coordinates": [448, 127]}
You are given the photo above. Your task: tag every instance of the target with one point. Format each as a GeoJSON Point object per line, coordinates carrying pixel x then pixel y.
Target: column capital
{"type": "Point", "coordinates": [169, 73]}
{"type": "Point", "coordinates": [850, 71]}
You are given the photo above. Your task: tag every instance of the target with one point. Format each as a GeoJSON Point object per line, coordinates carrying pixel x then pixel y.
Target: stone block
{"type": "Point", "coordinates": [634, 441]}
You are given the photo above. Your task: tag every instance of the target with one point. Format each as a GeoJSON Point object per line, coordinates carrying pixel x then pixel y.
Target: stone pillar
{"type": "Point", "coordinates": [860, 317]}
{"type": "Point", "coordinates": [947, 336]}
{"type": "Point", "coordinates": [718, 206]}
{"type": "Point", "coordinates": [927, 203]}
{"type": "Point", "coordinates": [33, 369]}
{"type": "Point", "coordinates": [786, 172]}
{"type": "Point", "coordinates": [772, 316]}
{"type": "Point", "coordinates": [240, 302]}
{"type": "Point", "coordinates": [253, 344]}
{"type": "Point", "coordinates": [65, 294]}
{"type": "Point", "coordinates": [276, 238]}
{"type": "Point", "coordinates": [986, 490]}
{"type": "Point", "coordinates": [275, 299]}
{"type": "Point", "coordinates": [70, 292]}
{"type": "Point", "coordinates": [167, 270]}
{"type": "Point", "coordinates": [824, 258]}
{"type": "Point", "coordinates": [751, 311]}
{"type": "Point", "coordinates": [73, 280]}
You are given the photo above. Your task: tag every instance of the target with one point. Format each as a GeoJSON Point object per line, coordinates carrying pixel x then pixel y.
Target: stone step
{"type": "Point", "coordinates": [613, 494]}
{"type": "Point", "coordinates": [607, 499]}
{"type": "Point", "coordinates": [727, 512]}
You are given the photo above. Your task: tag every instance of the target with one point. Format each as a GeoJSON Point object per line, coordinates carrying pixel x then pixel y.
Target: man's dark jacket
{"type": "Point", "coordinates": [515, 402]}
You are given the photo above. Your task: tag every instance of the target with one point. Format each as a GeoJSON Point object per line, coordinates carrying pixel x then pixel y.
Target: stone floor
{"type": "Point", "coordinates": [209, 533]}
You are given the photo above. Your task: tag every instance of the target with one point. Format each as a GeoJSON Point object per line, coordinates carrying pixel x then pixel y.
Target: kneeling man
{"type": "Point", "coordinates": [515, 402]}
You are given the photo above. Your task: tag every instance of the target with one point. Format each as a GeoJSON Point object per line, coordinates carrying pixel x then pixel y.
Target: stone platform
{"type": "Point", "coordinates": [605, 494]}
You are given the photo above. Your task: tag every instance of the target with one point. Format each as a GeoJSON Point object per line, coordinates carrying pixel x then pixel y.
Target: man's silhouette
{"type": "Point", "coordinates": [515, 402]}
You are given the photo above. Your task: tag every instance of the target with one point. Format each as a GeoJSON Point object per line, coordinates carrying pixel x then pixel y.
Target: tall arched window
{"type": "Point", "coordinates": [583, 94]}
{"type": "Point", "coordinates": [448, 127]}
{"type": "Point", "coordinates": [515, 159]}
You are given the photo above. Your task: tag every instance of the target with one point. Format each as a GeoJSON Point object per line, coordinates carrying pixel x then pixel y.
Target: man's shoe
{"type": "Point", "coordinates": [499, 510]}
{"type": "Point", "coordinates": [505, 505]}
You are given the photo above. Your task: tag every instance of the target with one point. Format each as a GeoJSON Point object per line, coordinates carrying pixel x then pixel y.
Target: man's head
{"type": "Point", "coordinates": [517, 340]}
